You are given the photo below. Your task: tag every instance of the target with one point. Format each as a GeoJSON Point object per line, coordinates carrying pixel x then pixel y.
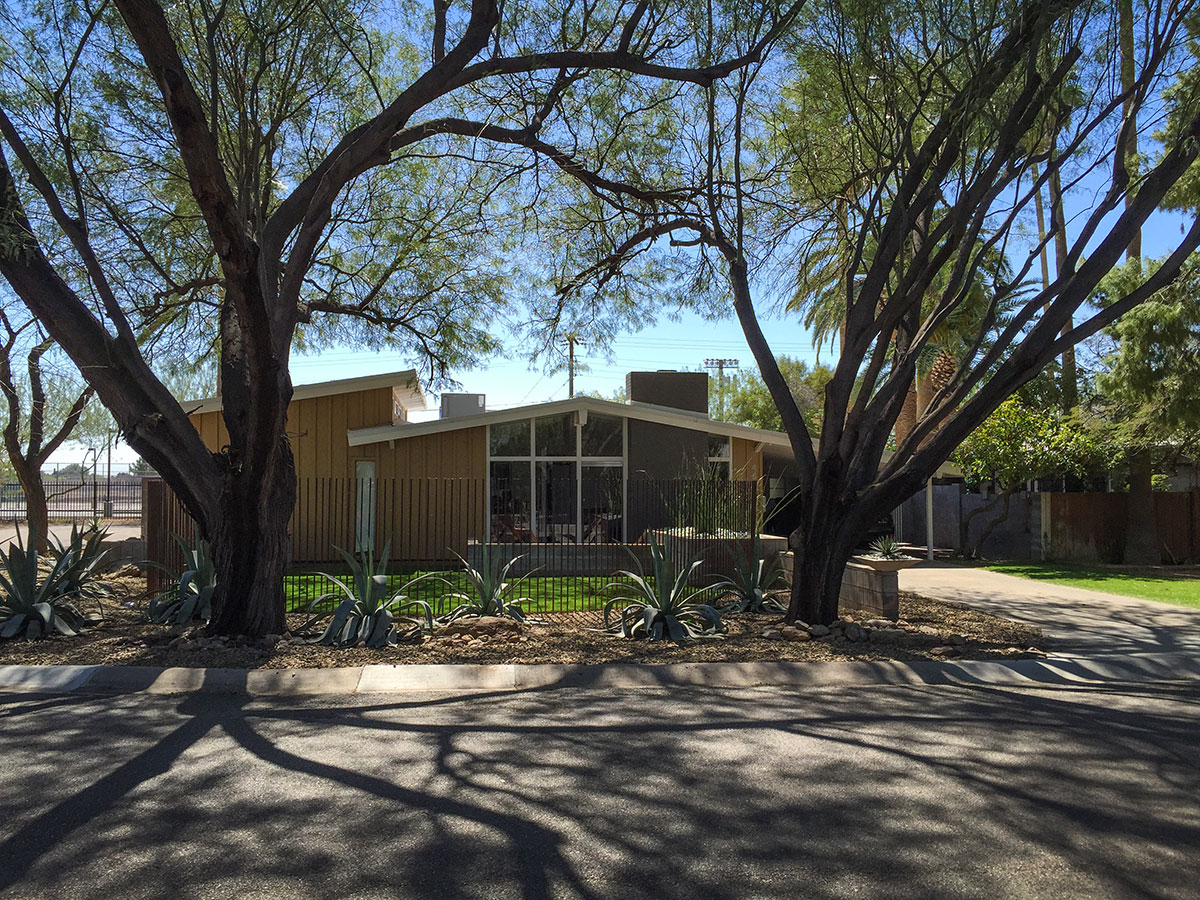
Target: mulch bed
{"type": "Point", "coordinates": [930, 630]}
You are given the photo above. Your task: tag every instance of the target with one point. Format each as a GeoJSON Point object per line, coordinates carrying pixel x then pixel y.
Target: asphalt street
{"type": "Point", "coordinates": [916, 791]}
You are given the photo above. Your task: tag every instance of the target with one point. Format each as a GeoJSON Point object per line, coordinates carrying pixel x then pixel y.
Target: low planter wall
{"type": "Point", "coordinates": [719, 554]}
{"type": "Point", "coordinates": [864, 589]}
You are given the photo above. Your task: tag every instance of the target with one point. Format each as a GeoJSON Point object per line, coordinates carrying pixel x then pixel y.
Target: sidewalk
{"type": "Point", "coordinates": [1076, 621]}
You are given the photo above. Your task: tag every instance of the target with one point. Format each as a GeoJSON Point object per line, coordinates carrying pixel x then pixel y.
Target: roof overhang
{"type": "Point", "coordinates": [406, 388]}
{"type": "Point", "coordinates": [646, 412]}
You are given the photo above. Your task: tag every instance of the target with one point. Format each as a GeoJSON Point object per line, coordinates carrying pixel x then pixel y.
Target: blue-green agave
{"type": "Point", "coordinates": [663, 606]}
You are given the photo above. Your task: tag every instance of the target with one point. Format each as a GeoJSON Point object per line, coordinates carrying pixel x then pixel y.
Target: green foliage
{"type": "Point", "coordinates": [491, 593]}
{"type": "Point", "coordinates": [752, 579]}
{"type": "Point", "coordinates": [31, 604]}
{"type": "Point", "coordinates": [745, 399]}
{"type": "Point", "coordinates": [1018, 443]}
{"type": "Point", "coordinates": [887, 548]}
{"type": "Point", "coordinates": [80, 557]}
{"type": "Point", "coordinates": [662, 606]}
{"type": "Point", "coordinates": [190, 598]}
{"type": "Point", "coordinates": [1149, 393]}
{"type": "Point", "coordinates": [365, 615]}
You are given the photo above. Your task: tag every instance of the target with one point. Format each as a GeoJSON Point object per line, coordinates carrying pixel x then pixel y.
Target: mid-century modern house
{"type": "Point", "coordinates": [556, 472]}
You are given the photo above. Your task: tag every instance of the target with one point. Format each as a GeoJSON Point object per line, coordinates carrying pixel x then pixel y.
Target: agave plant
{"type": "Point", "coordinates": [664, 606]}
{"type": "Point", "coordinates": [887, 548]}
{"type": "Point", "coordinates": [190, 597]}
{"type": "Point", "coordinates": [752, 580]}
{"type": "Point", "coordinates": [81, 556]}
{"type": "Point", "coordinates": [491, 591]}
{"type": "Point", "coordinates": [365, 615]}
{"type": "Point", "coordinates": [33, 604]}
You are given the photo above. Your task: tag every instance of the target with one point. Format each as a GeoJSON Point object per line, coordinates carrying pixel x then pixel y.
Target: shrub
{"type": "Point", "coordinates": [31, 604]}
{"type": "Point", "coordinates": [753, 577]}
{"type": "Point", "coordinates": [190, 597]}
{"type": "Point", "coordinates": [365, 615]}
{"type": "Point", "coordinates": [491, 591]}
{"type": "Point", "coordinates": [665, 607]}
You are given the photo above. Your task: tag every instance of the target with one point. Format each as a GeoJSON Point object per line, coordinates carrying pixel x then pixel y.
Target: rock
{"type": "Point", "coordinates": [772, 634]}
{"type": "Point", "coordinates": [879, 623]}
{"type": "Point", "coordinates": [796, 635]}
{"type": "Point", "coordinates": [269, 641]}
{"type": "Point", "coordinates": [855, 632]}
{"type": "Point", "coordinates": [944, 651]}
{"type": "Point", "coordinates": [956, 640]}
{"type": "Point", "coordinates": [473, 626]}
{"type": "Point", "coordinates": [819, 631]}
{"type": "Point", "coordinates": [475, 642]}
{"type": "Point", "coordinates": [837, 624]}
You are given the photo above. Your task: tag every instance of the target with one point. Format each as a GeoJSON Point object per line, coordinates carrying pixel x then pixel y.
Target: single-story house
{"type": "Point", "coordinates": [556, 472]}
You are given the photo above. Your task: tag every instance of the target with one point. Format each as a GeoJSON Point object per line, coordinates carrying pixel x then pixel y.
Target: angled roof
{"type": "Point", "coordinates": [405, 386]}
{"type": "Point", "coordinates": [647, 412]}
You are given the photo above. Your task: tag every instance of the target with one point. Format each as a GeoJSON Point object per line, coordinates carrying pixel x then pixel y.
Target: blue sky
{"type": "Point", "coordinates": [668, 344]}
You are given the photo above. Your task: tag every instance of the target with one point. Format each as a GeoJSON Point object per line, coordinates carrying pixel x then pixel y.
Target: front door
{"type": "Point", "coordinates": [364, 517]}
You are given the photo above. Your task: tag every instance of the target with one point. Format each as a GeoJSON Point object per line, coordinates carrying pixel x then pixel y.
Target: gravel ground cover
{"type": "Point", "coordinates": [927, 629]}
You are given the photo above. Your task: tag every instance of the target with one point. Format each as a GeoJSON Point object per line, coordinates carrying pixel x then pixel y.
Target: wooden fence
{"type": "Point", "coordinates": [1091, 526]}
{"type": "Point", "coordinates": [423, 518]}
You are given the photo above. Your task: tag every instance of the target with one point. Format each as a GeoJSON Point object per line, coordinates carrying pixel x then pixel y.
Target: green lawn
{"type": "Point", "coordinates": [1182, 589]}
{"type": "Point", "coordinates": [547, 594]}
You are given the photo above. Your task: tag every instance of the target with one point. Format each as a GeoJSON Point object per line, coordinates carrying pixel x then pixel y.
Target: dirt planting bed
{"type": "Point", "coordinates": [928, 629]}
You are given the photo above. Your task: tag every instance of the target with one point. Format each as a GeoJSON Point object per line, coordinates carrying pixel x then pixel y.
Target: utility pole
{"type": "Point", "coordinates": [721, 365]}
{"type": "Point", "coordinates": [570, 366]}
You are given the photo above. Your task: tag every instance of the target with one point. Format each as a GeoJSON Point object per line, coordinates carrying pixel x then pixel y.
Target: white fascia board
{"type": "Point", "coordinates": [663, 415]}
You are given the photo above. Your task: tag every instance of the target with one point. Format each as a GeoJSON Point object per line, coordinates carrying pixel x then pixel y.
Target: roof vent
{"type": "Point", "coordinates": [456, 405]}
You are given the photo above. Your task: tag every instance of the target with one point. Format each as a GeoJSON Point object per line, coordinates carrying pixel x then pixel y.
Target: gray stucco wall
{"type": "Point", "coordinates": [1019, 536]}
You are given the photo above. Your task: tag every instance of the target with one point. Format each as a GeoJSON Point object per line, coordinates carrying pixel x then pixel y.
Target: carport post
{"type": "Point", "coordinates": [929, 519]}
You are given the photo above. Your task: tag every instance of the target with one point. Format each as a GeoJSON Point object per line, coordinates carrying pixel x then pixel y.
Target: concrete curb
{"type": "Point", "coordinates": [385, 679]}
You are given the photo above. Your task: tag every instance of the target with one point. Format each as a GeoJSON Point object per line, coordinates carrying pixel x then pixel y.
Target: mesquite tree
{"type": "Point", "coordinates": [240, 178]}
{"type": "Point", "coordinates": [41, 410]}
{"type": "Point", "coordinates": [936, 125]}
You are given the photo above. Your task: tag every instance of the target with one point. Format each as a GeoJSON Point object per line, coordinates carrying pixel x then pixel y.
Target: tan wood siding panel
{"type": "Point", "coordinates": [747, 462]}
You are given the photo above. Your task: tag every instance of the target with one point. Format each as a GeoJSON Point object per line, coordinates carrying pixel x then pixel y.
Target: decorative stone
{"type": "Point", "coordinates": [819, 631]}
{"type": "Point", "coordinates": [772, 634]}
{"type": "Point", "coordinates": [956, 640]}
{"type": "Point", "coordinates": [790, 633]}
{"type": "Point", "coordinates": [855, 632]}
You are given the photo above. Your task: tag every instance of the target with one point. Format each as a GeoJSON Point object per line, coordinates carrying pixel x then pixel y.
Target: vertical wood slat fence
{"type": "Point", "coordinates": [1091, 526]}
{"type": "Point", "coordinates": [428, 520]}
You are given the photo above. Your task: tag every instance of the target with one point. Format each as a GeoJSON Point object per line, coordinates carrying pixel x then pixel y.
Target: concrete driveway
{"type": "Point", "coordinates": [901, 792]}
{"type": "Point", "coordinates": [1077, 621]}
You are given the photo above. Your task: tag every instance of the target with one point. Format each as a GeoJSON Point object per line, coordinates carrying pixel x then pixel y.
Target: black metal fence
{"type": "Point", "coordinates": [703, 520]}
{"type": "Point", "coordinates": [77, 499]}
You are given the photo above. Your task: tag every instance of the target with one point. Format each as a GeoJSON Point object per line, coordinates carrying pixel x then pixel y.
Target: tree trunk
{"type": "Point", "coordinates": [1141, 526]}
{"type": "Point", "coordinates": [907, 420]}
{"type": "Point", "coordinates": [252, 550]}
{"type": "Point", "coordinates": [819, 560]}
{"type": "Point", "coordinates": [37, 513]}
